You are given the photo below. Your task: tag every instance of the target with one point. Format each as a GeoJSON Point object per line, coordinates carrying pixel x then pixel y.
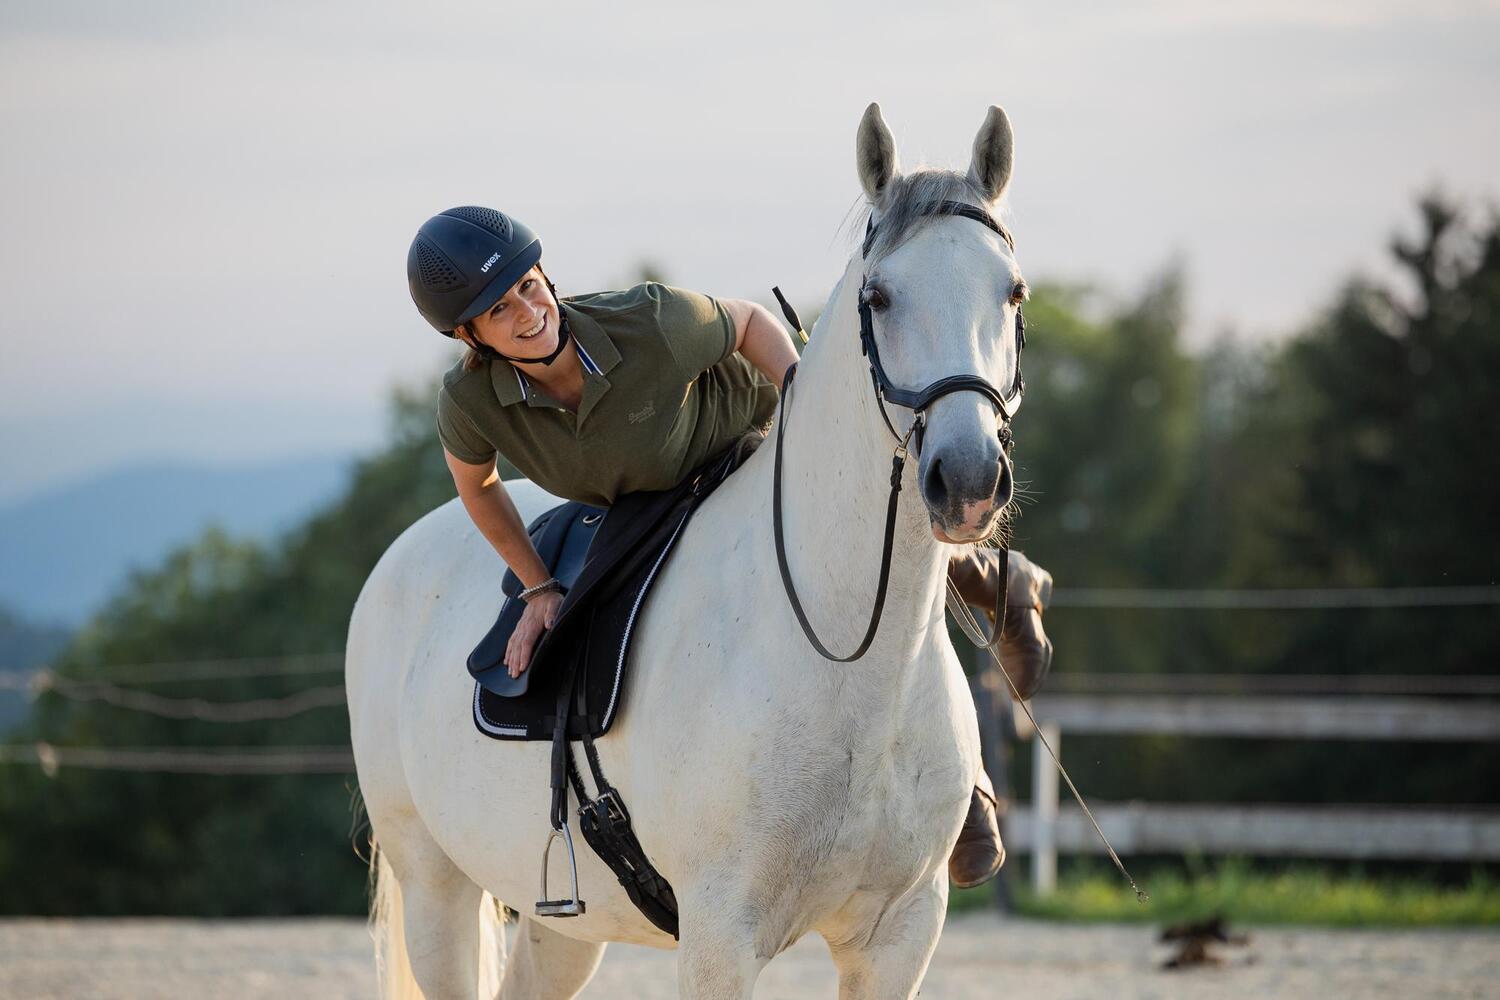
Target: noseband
{"type": "Point", "coordinates": [915, 400]}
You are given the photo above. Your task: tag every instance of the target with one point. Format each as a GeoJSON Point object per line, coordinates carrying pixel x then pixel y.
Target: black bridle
{"type": "Point", "coordinates": [917, 401]}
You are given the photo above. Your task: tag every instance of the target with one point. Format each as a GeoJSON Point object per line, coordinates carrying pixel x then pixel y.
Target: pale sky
{"type": "Point", "coordinates": [205, 207]}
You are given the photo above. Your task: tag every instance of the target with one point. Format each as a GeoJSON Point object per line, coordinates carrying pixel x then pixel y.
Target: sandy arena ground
{"type": "Point", "coordinates": [980, 957]}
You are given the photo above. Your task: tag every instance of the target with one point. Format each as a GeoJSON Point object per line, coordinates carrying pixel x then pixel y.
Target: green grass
{"type": "Point", "coordinates": [1298, 895]}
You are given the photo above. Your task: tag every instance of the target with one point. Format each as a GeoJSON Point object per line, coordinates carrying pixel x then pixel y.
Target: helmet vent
{"type": "Point", "coordinates": [436, 271]}
{"type": "Point", "coordinates": [486, 217]}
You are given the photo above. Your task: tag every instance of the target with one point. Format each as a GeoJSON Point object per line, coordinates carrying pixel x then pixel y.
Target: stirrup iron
{"type": "Point", "coordinates": [572, 906]}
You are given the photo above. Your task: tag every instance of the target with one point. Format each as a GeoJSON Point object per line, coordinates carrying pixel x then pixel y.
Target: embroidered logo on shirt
{"type": "Point", "coordinates": [644, 413]}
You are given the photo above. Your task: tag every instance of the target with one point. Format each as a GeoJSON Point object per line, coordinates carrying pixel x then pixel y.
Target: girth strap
{"type": "Point", "coordinates": [606, 826]}
{"type": "Point", "coordinates": [604, 821]}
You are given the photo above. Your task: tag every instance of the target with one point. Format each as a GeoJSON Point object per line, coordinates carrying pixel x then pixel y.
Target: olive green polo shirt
{"type": "Point", "coordinates": [663, 392]}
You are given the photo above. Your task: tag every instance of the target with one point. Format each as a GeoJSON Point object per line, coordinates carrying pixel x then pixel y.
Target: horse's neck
{"type": "Point", "coordinates": [836, 484]}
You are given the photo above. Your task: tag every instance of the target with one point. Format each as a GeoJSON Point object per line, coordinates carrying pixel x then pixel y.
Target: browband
{"type": "Point", "coordinates": [946, 208]}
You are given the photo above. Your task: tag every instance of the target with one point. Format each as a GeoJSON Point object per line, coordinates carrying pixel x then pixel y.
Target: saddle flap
{"type": "Point", "coordinates": [562, 537]}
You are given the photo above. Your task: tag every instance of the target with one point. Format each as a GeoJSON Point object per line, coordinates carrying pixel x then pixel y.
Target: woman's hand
{"type": "Point", "coordinates": [540, 615]}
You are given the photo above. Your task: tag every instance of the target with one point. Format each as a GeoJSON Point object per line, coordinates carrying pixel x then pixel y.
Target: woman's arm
{"type": "Point", "coordinates": [761, 338]}
{"type": "Point", "coordinates": [495, 515]}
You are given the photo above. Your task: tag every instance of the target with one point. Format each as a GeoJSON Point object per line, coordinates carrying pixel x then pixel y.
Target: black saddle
{"type": "Point", "coordinates": [608, 561]}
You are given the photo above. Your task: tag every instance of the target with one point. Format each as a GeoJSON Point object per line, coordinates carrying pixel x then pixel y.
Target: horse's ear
{"type": "Point", "coordinates": [875, 154]}
{"type": "Point", "coordinates": [994, 154]}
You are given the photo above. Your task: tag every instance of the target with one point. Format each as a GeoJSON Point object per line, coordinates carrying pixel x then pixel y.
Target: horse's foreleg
{"type": "Point", "coordinates": [889, 962]}
{"type": "Point", "coordinates": [545, 965]}
{"type": "Point", "coordinates": [716, 960]}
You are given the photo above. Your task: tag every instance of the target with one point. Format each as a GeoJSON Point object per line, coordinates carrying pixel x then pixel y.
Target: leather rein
{"type": "Point", "coordinates": [917, 401]}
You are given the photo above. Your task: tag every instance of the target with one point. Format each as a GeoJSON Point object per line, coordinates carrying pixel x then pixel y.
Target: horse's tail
{"type": "Point", "coordinates": [492, 949]}
{"type": "Point", "coordinates": [388, 927]}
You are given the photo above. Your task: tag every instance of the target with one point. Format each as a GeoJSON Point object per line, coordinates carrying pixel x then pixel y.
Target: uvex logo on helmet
{"type": "Point", "coordinates": [489, 263]}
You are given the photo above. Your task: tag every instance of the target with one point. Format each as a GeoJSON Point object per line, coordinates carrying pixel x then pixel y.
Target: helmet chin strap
{"type": "Point", "coordinates": [563, 333]}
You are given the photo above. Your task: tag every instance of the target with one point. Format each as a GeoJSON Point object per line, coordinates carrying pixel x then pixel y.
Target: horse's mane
{"type": "Point", "coordinates": [908, 202]}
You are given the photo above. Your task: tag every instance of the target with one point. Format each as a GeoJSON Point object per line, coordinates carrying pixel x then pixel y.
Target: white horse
{"type": "Point", "coordinates": [778, 792]}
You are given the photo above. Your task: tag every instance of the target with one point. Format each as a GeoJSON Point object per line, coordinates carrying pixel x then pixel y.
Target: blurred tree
{"type": "Point", "coordinates": [1368, 463]}
{"type": "Point", "coordinates": [1104, 448]}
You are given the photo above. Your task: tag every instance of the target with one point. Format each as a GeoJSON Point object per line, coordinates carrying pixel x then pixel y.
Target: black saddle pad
{"type": "Point", "coordinates": [625, 553]}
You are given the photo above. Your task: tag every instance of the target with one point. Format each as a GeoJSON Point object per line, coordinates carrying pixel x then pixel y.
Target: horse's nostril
{"type": "Point", "coordinates": [1006, 488]}
{"type": "Point", "coordinates": [933, 486]}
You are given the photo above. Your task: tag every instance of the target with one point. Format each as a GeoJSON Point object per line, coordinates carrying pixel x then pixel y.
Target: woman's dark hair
{"type": "Point", "coordinates": [473, 360]}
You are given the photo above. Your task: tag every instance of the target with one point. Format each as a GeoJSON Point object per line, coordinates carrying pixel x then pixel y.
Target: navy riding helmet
{"type": "Point", "coordinates": [463, 261]}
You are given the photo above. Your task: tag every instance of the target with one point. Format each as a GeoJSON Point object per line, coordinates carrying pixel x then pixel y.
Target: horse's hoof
{"type": "Point", "coordinates": [978, 855]}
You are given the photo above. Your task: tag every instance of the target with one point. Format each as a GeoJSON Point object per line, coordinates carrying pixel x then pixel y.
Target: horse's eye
{"type": "Point", "coordinates": [875, 298]}
{"type": "Point", "coordinates": [1019, 294]}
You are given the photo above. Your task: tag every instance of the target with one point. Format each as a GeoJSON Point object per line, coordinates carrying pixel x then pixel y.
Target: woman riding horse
{"type": "Point", "coordinates": [615, 392]}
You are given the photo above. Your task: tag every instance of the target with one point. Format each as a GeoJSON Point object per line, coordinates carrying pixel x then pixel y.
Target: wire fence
{"type": "Point", "coordinates": [271, 760]}
{"type": "Point", "coordinates": [203, 760]}
{"type": "Point", "coordinates": [185, 760]}
{"type": "Point", "coordinates": [287, 664]}
{"type": "Point", "coordinates": [252, 710]}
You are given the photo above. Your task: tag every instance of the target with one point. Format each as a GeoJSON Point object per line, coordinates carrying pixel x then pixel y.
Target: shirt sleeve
{"type": "Point", "coordinates": [698, 329]}
{"type": "Point", "coordinates": [459, 435]}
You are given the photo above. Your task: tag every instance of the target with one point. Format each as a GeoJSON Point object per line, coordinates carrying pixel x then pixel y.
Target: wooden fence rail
{"type": "Point", "coordinates": [1312, 718]}
{"type": "Point", "coordinates": [1271, 830]}
{"type": "Point", "coordinates": [1268, 830]}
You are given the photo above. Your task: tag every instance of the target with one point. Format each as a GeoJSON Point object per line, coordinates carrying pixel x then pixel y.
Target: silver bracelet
{"type": "Point", "coordinates": [549, 585]}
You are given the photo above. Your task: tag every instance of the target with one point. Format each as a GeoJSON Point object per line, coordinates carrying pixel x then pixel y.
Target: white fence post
{"type": "Point", "coordinates": [1044, 808]}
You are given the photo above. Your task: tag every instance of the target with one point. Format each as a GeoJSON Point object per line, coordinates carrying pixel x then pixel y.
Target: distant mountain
{"type": "Point", "coordinates": [64, 550]}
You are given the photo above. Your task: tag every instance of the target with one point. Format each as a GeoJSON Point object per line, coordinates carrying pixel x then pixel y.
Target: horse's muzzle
{"type": "Point", "coordinates": [964, 499]}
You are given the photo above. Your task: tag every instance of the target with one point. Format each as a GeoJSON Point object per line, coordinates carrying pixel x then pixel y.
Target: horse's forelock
{"type": "Point", "coordinates": [908, 202]}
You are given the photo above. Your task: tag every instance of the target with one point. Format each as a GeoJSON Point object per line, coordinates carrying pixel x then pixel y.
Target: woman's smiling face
{"type": "Point", "coordinates": [524, 322]}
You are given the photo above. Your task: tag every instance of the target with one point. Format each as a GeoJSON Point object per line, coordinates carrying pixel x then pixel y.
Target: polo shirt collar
{"type": "Point", "coordinates": [595, 350]}
{"type": "Point", "coordinates": [595, 341]}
